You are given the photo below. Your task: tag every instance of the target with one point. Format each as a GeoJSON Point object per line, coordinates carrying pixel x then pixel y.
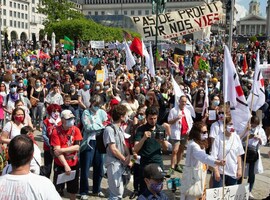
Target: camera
{"type": "Point", "coordinates": [158, 134]}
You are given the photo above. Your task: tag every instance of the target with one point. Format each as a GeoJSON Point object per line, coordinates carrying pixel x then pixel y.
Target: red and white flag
{"type": "Point", "coordinates": [137, 46]}
{"type": "Point", "coordinates": [130, 61]}
{"type": "Point", "coordinates": [233, 93]}
{"type": "Point", "coordinates": [206, 98]}
{"type": "Point", "coordinates": [172, 64]}
{"type": "Point", "coordinates": [177, 94]}
{"type": "Point", "coordinates": [257, 90]}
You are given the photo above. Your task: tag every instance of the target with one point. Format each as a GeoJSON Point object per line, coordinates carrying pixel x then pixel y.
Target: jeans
{"type": "Point", "coordinates": [251, 176]}
{"type": "Point", "coordinates": [48, 160]}
{"type": "Point", "coordinates": [37, 114]}
{"type": "Point", "coordinates": [91, 157]}
{"type": "Point", "coordinates": [228, 181]}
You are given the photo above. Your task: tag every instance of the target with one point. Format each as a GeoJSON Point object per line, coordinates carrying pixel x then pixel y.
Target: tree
{"type": "Point", "coordinates": [58, 10]}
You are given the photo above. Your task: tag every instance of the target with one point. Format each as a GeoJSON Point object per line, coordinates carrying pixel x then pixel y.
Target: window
{"type": "Point", "coordinates": [22, 15]}
{"type": "Point", "coordinates": [132, 12]}
{"type": "Point", "coordinates": [4, 2]}
{"type": "Point", "coordinates": [139, 12]}
{"type": "Point", "coordinates": [26, 16]}
{"type": "Point", "coordinates": [116, 12]}
{"type": "Point", "coordinates": [19, 6]}
{"type": "Point", "coordinates": [19, 15]}
{"type": "Point", "coordinates": [125, 12]}
{"type": "Point", "coordinates": [15, 14]}
{"type": "Point", "coordinates": [10, 13]}
{"type": "Point", "coordinates": [25, 7]}
{"type": "Point", "coordinates": [33, 9]}
{"type": "Point", "coordinates": [33, 1]}
{"type": "Point", "coordinates": [15, 5]}
{"type": "Point", "coordinates": [10, 4]}
{"type": "Point", "coordinates": [10, 23]}
{"type": "Point", "coordinates": [147, 12]}
{"type": "Point", "coordinates": [22, 24]}
{"type": "Point", "coordinates": [102, 12]}
{"type": "Point", "coordinates": [15, 24]}
{"type": "Point", "coordinates": [4, 11]}
{"type": "Point", "coordinates": [26, 25]}
{"type": "Point", "coordinates": [5, 22]}
{"type": "Point", "coordinates": [96, 12]}
{"type": "Point", "coordinates": [22, 7]}
{"type": "Point", "coordinates": [19, 24]}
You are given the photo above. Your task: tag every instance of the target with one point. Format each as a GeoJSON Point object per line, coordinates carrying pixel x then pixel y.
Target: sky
{"type": "Point", "coordinates": [242, 7]}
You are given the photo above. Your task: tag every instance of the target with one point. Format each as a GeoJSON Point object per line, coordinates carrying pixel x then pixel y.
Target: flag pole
{"type": "Point", "coordinates": [224, 129]}
{"type": "Point", "coordinates": [231, 25]}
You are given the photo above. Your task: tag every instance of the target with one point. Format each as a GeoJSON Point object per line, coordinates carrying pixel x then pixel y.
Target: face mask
{"type": "Point", "coordinates": [204, 136]}
{"type": "Point", "coordinates": [201, 95]}
{"type": "Point", "coordinates": [230, 128]}
{"type": "Point", "coordinates": [19, 118]}
{"type": "Point", "coordinates": [128, 96]}
{"type": "Point", "coordinates": [86, 87]}
{"type": "Point", "coordinates": [98, 88]}
{"type": "Point", "coordinates": [13, 89]}
{"type": "Point", "coordinates": [72, 89]}
{"type": "Point", "coordinates": [70, 123]}
{"type": "Point", "coordinates": [55, 115]}
{"type": "Point", "coordinates": [126, 119]}
{"type": "Point", "coordinates": [21, 94]}
{"type": "Point", "coordinates": [140, 117]}
{"type": "Point", "coordinates": [216, 103]}
{"type": "Point", "coordinates": [20, 84]}
{"type": "Point", "coordinates": [221, 117]}
{"type": "Point", "coordinates": [252, 130]}
{"type": "Point", "coordinates": [156, 187]}
{"type": "Point", "coordinates": [38, 84]}
{"type": "Point", "coordinates": [95, 108]}
{"type": "Point", "coordinates": [106, 87]}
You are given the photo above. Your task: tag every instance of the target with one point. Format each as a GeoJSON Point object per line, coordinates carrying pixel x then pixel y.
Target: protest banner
{"type": "Point", "coordinates": [100, 76]}
{"type": "Point", "coordinates": [178, 23]}
{"type": "Point", "coordinates": [265, 69]}
{"type": "Point", "coordinates": [235, 192]}
{"type": "Point", "coordinates": [97, 44]}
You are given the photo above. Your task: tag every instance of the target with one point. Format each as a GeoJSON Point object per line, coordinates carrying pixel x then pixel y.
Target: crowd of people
{"type": "Point", "coordinates": [139, 115]}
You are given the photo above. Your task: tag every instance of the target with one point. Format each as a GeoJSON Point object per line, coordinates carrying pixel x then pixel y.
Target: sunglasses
{"type": "Point", "coordinates": [221, 113]}
{"type": "Point", "coordinates": [204, 132]}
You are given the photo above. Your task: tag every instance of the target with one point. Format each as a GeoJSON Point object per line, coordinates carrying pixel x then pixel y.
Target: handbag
{"type": "Point", "coordinates": [33, 102]}
{"type": "Point", "coordinates": [193, 180]}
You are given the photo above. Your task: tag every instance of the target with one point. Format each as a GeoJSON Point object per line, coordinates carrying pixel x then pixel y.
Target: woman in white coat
{"type": "Point", "coordinates": [196, 156]}
{"type": "Point", "coordinates": [257, 137]}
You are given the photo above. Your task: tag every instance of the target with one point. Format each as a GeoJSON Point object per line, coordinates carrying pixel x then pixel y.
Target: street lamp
{"type": "Point", "coordinates": [1, 31]}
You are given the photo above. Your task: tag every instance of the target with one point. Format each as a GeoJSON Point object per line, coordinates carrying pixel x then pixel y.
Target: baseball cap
{"type": "Point", "coordinates": [153, 171]}
{"type": "Point", "coordinates": [67, 114]}
{"type": "Point", "coordinates": [13, 84]}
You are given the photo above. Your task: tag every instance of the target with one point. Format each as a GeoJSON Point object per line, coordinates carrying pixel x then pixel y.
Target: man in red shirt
{"type": "Point", "coordinates": [65, 141]}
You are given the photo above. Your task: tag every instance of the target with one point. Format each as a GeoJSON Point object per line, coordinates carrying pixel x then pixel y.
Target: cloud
{"type": "Point", "coordinates": [241, 11]}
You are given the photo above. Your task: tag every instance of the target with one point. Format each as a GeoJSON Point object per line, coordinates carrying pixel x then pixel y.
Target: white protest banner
{"type": "Point", "coordinates": [265, 69]}
{"type": "Point", "coordinates": [97, 44]}
{"type": "Point", "coordinates": [178, 23]}
{"type": "Point", "coordinates": [234, 192]}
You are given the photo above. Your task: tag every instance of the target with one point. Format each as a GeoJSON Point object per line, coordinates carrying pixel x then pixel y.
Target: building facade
{"type": "Point", "coordinates": [253, 23]}
{"type": "Point", "coordinates": [268, 19]}
{"type": "Point", "coordinates": [19, 18]}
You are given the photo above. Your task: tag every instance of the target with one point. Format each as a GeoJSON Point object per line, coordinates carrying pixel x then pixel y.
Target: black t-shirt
{"type": "Point", "coordinates": [151, 149]}
{"type": "Point", "coordinates": [74, 97]}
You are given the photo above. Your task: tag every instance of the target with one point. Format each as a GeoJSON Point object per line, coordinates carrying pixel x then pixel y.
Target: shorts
{"type": "Point", "coordinates": [183, 140]}
{"type": "Point", "coordinates": [174, 142]}
{"type": "Point", "coordinates": [73, 185]}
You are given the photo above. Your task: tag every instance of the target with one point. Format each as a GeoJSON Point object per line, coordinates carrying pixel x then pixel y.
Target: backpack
{"type": "Point", "coordinates": [101, 147]}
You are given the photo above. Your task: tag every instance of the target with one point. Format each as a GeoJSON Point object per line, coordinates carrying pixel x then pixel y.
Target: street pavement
{"type": "Point", "coordinates": [261, 187]}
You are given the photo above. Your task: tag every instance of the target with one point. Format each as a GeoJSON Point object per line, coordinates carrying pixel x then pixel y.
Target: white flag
{"type": "Point", "coordinates": [106, 72]}
{"type": "Point", "coordinates": [177, 94]}
{"type": "Point", "coordinates": [146, 56]}
{"type": "Point", "coordinates": [130, 61]}
{"type": "Point", "coordinates": [233, 93]}
{"type": "Point", "coordinates": [172, 64]}
{"type": "Point", "coordinates": [206, 98]}
{"type": "Point", "coordinates": [257, 90]}
{"type": "Point", "coordinates": [151, 65]}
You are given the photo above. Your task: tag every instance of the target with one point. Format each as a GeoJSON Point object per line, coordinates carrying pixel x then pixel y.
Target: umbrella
{"type": "Point", "coordinates": [53, 42]}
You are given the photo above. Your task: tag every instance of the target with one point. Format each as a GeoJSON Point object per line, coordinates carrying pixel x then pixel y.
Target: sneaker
{"type": "Point", "coordinates": [251, 196]}
{"type": "Point", "coordinates": [134, 195]}
{"type": "Point", "coordinates": [84, 197]}
{"type": "Point", "coordinates": [100, 194]}
{"type": "Point", "coordinates": [170, 172]}
{"type": "Point", "coordinates": [178, 168]}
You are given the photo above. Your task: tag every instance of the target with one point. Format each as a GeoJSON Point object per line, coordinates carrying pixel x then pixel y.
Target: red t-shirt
{"type": "Point", "coordinates": [184, 128]}
{"type": "Point", "coordinates": [49, 130]}
{"type": "Point", "coordinates": [64, 139]}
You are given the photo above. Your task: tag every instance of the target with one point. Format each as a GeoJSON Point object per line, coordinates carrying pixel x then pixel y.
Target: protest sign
{"type": "Point", "coordinates": [178, 23]}
{"type": "Point", "coordinates": [235, 192]}
{"type": "Point", "coordinates": [100, 76]}
{"type": "Point", "coordinates": [265, 69]}
{"type": "Point", "coordinates": [97, 44]}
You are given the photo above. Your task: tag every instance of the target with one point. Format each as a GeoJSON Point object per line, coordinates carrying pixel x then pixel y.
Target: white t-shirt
{"type": "Point", "coordinates": [215, 129]}
{"type": "Point", "coordinates": [25, 187]}
{"type": "Point", "coordinates": [34, 166]}
{"type": "Point", "coordinates": [233, 149]}
{"type": "Point", "coordinates": [12, 129]}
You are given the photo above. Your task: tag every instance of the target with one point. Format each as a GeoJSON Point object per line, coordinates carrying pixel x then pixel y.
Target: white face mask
{"type": "Point", "coordinates": [70, 123]}
{"type": "Point", "coordinates": [55, 115]}
{"type": "Point", "coordinates": [230, 128]}
{"type": "Point", "coordinates": [126, 119]}
{"type": "Point", "coordinates": [204, 136]}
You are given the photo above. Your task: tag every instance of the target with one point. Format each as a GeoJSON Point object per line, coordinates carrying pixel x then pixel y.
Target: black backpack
{"type": "Point", "coordinates": [100, 142]}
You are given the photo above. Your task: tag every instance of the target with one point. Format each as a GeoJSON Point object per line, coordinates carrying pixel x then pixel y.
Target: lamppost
{"type": "Point", "coordinates": [1, 31]}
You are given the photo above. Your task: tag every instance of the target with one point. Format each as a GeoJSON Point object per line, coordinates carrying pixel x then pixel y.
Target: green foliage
{"type": "Point", "coordinates": [253, 39]}
{"type": "Point", "coordinates": [85, 30]}
{"type": "Point", "coordinates": [58, 10]}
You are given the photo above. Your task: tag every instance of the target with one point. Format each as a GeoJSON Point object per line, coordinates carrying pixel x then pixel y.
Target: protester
{"type": "Point", "coordinates": [117, 156]}
{"type": "Point", "coordinates": [32, 186]}
{"type": "Point", "coordinates": [65, 142]}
